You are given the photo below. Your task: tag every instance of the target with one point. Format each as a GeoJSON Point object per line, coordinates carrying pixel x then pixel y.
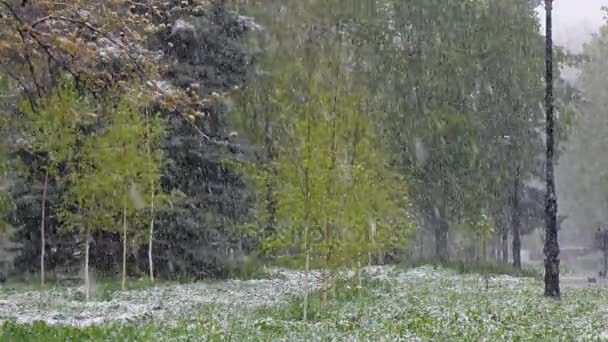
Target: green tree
{"type": "Point", "coordinates": [338, 200]}
{"type": "Point", "coordinates": [127, 154]}
{"type": "Point", "coordinates": [156, 131]}
{"type": "Point", "coordinates": [86, 204]}
{"type": "Point", "coordinates": [443, 90]}
{"type": "Point", "coordinates": [585, 159]}
{"type": "Point", "coordinates": [112, 172]}
{"type": "Point", "coordinates": [208, 65]}
{"type": "Point", "coordinates": [50, 130]}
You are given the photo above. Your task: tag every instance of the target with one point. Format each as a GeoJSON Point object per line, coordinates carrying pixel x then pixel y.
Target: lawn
{"type": "Point", "coordinates": [420, 304]}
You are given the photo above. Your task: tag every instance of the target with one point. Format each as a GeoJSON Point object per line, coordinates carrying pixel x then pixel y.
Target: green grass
{"type": "Point", "coordinates": [104, 287]}
{"type": "Point", "coordinates": [408, 305]}
{"type": "Point", "coordinates": [321, 306]}
{"type": "Point", "coordinates": [250, 268]}
{"type": "Point", "coordinates": [475, 267]}
{"type": "Point", "coordinates": [42, 332]}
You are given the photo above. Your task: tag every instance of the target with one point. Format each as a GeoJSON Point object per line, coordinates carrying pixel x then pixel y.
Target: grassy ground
{"type": "Point", "coordinates": [402, 303]}
{"type": "Point", "coordinates": [477, 267]}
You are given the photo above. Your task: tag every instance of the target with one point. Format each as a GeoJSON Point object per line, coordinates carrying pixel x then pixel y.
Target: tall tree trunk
{"type": "Point", "coordinates": [42, 228]}
{"type": "Point", "coordinates": [496, 250]}
{"type": "Point", "coordinates": [151, 239]}
{"type": "Point", "coordinates": [87, 279]}
{"type": "Point", "coordinates": [151, 232]}
{"type": "Point", "coordinates": [441, 235]}
{"type": "Point", "coordinates": [123, 282]}
{"type": "Point", "coordinates": [605, 266]}
{"type": "Point", "coordinates": [551, 249]}
{"type": "Point", "coordinates": [306, 222]}
{"type": "Point", "coordinates": [271, 199]}
{"type": "Point", "coordinates": [516, 220]}
{"type": "Point", "coordinates": [420, 245]}
{"type": "Point", "coordinates": [496, 245]}
{"type": "Point", "coordinates": [306, 274]}
{"type": "Point", "coordinates": [505, 243]}
{"type": "Point", "coordinates": [372, 239]}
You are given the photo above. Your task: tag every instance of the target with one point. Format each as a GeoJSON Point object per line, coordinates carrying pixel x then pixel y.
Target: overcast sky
{"type": "Point", "coordinates": [575, 20]}
{"type": "Point", "coordinates": [571, 12]}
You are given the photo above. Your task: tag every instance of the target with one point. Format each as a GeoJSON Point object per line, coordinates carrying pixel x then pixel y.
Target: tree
{"type": "Point", "coordinates": [108, 171]}
{"type": "Point", "coordinates": [86, 207]}
{"type": "Point", "coordinates": [43, 42]}
{"type": "Point", "coordinates": [338, 201]}
{"type": "Point", "coordinates": [50, 129]}
{"type": "Point", "coordinates": [585, 154]}
{"type": "Point", "coordinates": [126, 154]}
{"type": "Point", "coordinates": [551, 248]}
{"type": "Point", "coordinates": [443, 93]}
{"type": "Point", "coordinates": [155, 131]}
{"type": "Point", "coordinates": [445, 78]}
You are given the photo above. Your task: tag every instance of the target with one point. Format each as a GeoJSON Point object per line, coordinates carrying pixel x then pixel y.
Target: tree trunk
{"type": "Point", "coordinates": [42, 228]}
{"type": "Point", "coordinates": [505, 243]}
{"type": "Point", "coordinates": [605, 268]}
{"type": "Point", "coordinates": [516, 221]}
{"type": "Point", "coordinates": [151, 238]}
{"type": "Point", "coordinates": [495, 249]}
{"type": "Point", "coordinates": [124, 249]}
{"type": "Point", "coordinates": [306, 273]}
{"type": "Point", "coordinates": [271, 203]}
{"type": "Point", "coordinates": [551, 249]}
{"type": "Point", "coordinates": [306, 222]}
{"type": "Point", "coordinates": [271, 199]}
{"type": "Point", "coordinates": [421, 246]}
{"type": "Point", "coordinates": [441, 235]}
{"type": "Point", "coordinates": [151, 233]}
{"type": "Point", "coordinates": [359, 279]}
{"type": "Point", "coordinates": [372, 239]}
{"type": "Point", "coordinates": [87, 281]}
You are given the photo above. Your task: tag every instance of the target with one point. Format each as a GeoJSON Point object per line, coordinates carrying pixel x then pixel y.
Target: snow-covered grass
{"type": "Point", "coordinates": [419, 304]}
{"type": "Point", "coordinates": [169, 304]}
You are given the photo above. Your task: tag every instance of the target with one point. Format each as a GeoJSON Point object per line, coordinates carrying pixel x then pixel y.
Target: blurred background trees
{"type": "Point", "coordinates": [348, 132]}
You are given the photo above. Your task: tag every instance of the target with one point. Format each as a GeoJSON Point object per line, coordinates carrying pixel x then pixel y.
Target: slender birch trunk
{"type": "Point", "coordinates": [42, 229]}
{"type": "Point", "coordinates": [124, 249]}
{"type": "Point", "coordinates": [87, 281]}
{"type": "Point", "coordinates": [306, 275]}
{"type": "Point", "coordinates": [151, 233]}
{"type": "Point", "coordinates": [151, 238]}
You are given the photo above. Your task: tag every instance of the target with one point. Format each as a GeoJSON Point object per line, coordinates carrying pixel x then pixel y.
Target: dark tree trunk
{"type": "Point", "coordinates": [420, 246]}
{"type": "Point", "coordinates": [551, 249]}
{"type": "Point", "coordinates": [504, 232]}
{"type": "Point", "coordinates": [441, 235]}
{"type": "Point", "coordinates": [42, 230]}
{"type": "Point", "coordinates": [605, 268]}
{"type": "Point", "coordinates": [271, 201]}
{"type": "Point", "coordinates": [516, 220]}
